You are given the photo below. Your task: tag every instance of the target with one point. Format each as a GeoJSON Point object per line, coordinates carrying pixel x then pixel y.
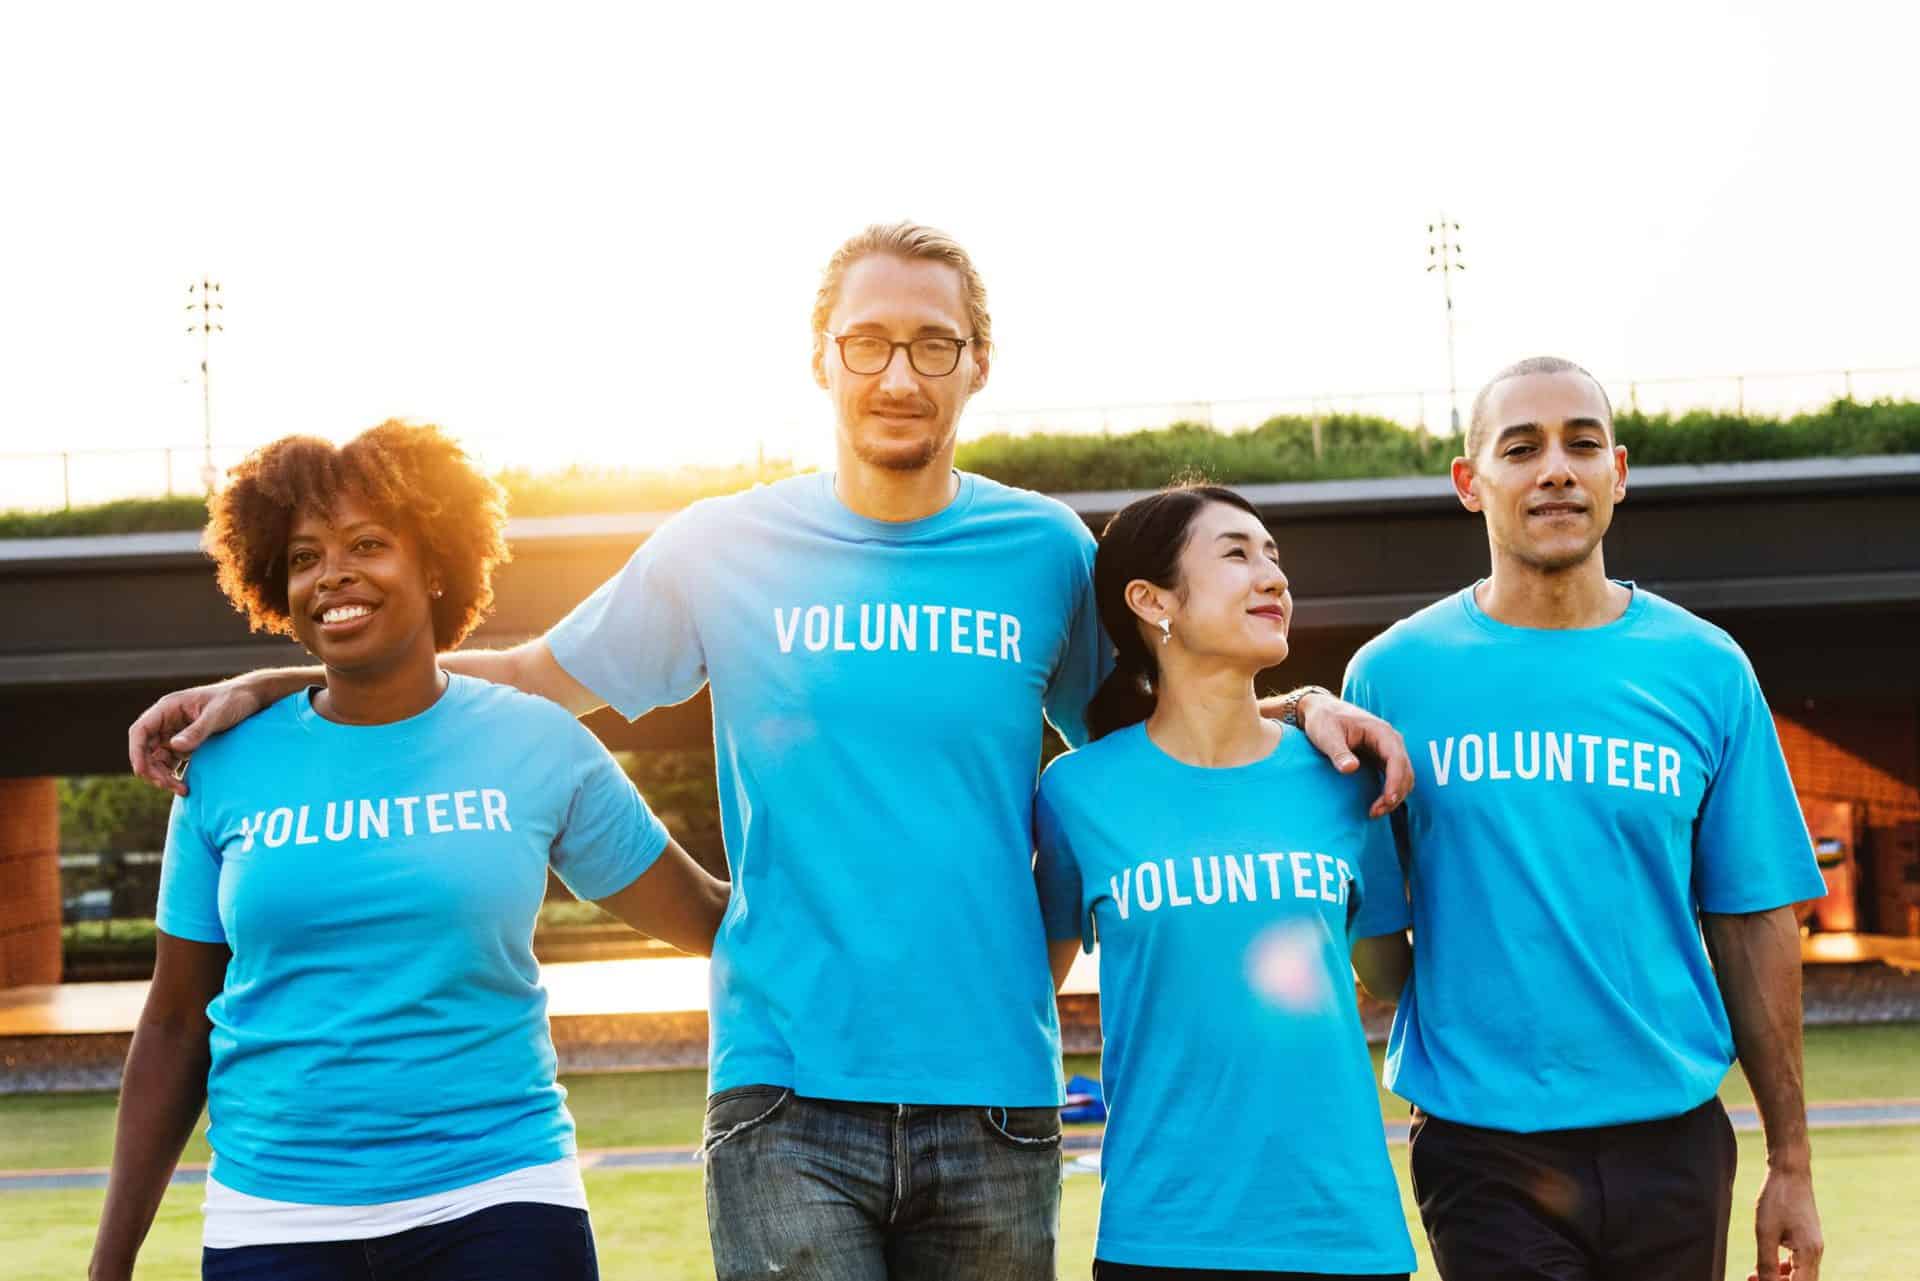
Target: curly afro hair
{"type": "Point", "coordinates": [415, 477]}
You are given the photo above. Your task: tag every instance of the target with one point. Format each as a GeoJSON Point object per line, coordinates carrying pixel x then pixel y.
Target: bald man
{"type": "Point", "coordinates": [1601, 784]}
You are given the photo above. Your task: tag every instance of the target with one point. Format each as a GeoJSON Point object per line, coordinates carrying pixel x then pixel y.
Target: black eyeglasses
{"type": "Point", "coordinates": [871, 354]}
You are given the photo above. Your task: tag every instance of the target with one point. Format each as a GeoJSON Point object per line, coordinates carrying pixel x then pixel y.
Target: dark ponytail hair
{"type": "Point", "coordinates": [1143, 540]}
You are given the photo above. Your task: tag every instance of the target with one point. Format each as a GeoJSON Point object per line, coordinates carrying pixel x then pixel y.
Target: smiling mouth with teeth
{"type": "Point", "coordinates": [345, 613]}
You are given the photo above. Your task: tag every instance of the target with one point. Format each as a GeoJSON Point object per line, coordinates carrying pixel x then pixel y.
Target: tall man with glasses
{"type": "Point", "coordinates": [881, 643]}
{"type": "Point", "coordinates": [1603, 784]}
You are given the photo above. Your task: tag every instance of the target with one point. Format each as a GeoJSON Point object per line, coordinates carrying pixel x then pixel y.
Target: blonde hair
{"type": "Point", "coordinates": [904, 240]}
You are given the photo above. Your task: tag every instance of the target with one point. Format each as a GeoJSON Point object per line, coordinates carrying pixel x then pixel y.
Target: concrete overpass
{"type": "Point", "coordinates": [1813, 565]}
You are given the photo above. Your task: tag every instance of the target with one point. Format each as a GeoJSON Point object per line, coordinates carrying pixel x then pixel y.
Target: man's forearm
{"type": "Point", "coordinates": [529, 668]}
{"type": "Point", "coordinates": [275, 683]}
{"type": "Point", "coordinates": [500, 666]}
{"type": "Point", "coordinates": [1756, 959]}
{"type": "Point", "coordinates": [271, 684]}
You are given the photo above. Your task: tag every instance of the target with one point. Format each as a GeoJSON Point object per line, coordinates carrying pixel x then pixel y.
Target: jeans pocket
{"type": "Point", "coordinates": [734, 1112]}
{"type": "Point", "coordinates": [1028, 1129]}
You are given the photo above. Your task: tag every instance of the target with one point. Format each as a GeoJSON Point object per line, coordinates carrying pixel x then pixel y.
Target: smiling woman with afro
{"type": "Point", "coordinates": [414, 476]}
{"type": "Point", "coordinates": [343, 971]}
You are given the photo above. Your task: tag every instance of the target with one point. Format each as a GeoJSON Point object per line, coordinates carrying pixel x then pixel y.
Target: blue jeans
{"type": "Point", "coordinates": [520, 1241]}
{"type": "Point", "coordinates": [817, 1190]}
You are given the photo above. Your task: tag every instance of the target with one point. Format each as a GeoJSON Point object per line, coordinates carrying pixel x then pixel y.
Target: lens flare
{"type": "Point", "coordinates": [1284, 966]}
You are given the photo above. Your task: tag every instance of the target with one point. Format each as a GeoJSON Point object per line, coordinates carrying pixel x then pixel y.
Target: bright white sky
{"type": "Point", "coordinates": [572, 233]}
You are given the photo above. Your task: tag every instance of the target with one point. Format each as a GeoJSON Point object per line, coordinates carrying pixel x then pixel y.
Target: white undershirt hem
{"type": "Point", "coordinates": [233, 1218]}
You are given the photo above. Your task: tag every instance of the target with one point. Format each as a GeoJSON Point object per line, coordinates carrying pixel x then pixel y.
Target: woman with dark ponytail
{"type": "Point", "coordinates": [1143, 540]}
{"type": "Point", "coordinates": [1235, 883]}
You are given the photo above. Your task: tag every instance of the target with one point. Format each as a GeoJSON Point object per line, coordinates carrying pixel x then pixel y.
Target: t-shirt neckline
{"type": "Point", "coordinates": [1636, 605]}
{"type": "Point", "coordinates": [310, 719]}
{"type": "Point", "coordinates": [896, 530]}
{"type": "Point", "coordinates": [1213, 775]}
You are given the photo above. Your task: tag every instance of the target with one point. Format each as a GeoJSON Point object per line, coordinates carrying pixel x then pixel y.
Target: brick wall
{"type": "Point", "coordinates": [29, 882]}
{"type": "Point", "coordinates": [1866, 752]}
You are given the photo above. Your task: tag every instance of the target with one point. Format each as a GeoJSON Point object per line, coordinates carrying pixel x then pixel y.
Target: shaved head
{"type": "Point", "coordinates": [1477, 424]}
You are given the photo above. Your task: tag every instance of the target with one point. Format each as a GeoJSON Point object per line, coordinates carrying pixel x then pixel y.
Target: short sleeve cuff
{"type": "Point", "coordinates": [1742, 900]}
{"type": "Point", "coordinates": [574, 649]}
{"type": "Point", "coordinates": [1389, 917]}
{"type": "Point", "coordinates": [1062, 923]}
{"type": "Point", "coordinates": [193, 929]}
{"type": "Point", "coordinates": [643, 855]}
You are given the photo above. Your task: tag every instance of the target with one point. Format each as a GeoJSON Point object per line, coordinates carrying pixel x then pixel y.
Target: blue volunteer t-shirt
{"type": "Point", "coordinates": [877, 700]}
{"type": "Point", "coordinates": [1583, 796]}
{"type": "Point", "coordinates": [1243, 1126]}
{"type": "Point", "coordinates": [382, 1033]}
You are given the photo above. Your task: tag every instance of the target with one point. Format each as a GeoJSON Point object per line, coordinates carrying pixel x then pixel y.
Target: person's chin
{"type": "Point", "coordinates": [1257, 653]}
{"type": "Point", "coordinates": [896, 453]}
{"type": "Point", "coordinates": [349, 655]}
{"type": "Point", "coordinates": [1553, 559]}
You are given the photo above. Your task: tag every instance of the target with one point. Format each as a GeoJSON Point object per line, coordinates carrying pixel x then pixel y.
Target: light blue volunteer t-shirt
{"type": "Point", "coordinates": [1243, 1125]}
{"type": "Point", "coordinates": [1583, 795]}
{"type": "Point", "coordinates": [877, 699]}
{"type": "Point", "coordinates": [382, 1033]}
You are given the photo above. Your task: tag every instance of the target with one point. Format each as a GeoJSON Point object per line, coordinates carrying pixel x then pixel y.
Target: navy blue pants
{"type": "Point", "coordinates": [1105, 1271]}
{"type": "Point", "coordinates": [1649, 1200]}
{"type": "Point", "coordinates": [519, 1241]}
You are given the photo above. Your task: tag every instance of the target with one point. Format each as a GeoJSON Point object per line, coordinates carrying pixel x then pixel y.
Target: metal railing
{"type": "Point", "coordinates": [52, 479]}
{"type": "Point", "coordinates": [69, 478]}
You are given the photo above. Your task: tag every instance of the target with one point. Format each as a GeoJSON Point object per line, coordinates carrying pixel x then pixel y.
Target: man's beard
{"type": "Point", "coordinates": [908, 456]}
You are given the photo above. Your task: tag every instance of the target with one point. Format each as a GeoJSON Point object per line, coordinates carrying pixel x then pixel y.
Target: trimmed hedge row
{"type": "Point", "coordinates": [618, 489]}
{"type": "Point", "coordinates": [1280, 449]}
{"type": "Point", "coordinates": [1844, 429]}
{"type": "Point", "coordinates": [123, 516]}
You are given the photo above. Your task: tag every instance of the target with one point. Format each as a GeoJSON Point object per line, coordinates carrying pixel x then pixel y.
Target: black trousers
{"type": "Point", "coordinates": [1104, 1271]}
{"type": "Point", "coordinates": [1648, 1201]}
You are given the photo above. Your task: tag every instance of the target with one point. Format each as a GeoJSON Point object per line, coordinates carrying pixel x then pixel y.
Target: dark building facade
{"type": "Point", "coordinates": [1813, 566]}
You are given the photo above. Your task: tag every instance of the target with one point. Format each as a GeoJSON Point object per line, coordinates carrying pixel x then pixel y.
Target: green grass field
{"type": "Point", "coordinates": [663, 1109]}
{"type": "Point", "coordinates": [652, 1224]}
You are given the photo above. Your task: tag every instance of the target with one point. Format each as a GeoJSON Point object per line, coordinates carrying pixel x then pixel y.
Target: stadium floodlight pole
{"type": "Point", "coordinates": [204, 297]}
{"type": "Point", "coordinates": [1443, 256]}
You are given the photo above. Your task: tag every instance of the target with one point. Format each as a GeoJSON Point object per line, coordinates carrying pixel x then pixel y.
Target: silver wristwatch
{"type": "Point", "coordinates": [1290, 706]}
